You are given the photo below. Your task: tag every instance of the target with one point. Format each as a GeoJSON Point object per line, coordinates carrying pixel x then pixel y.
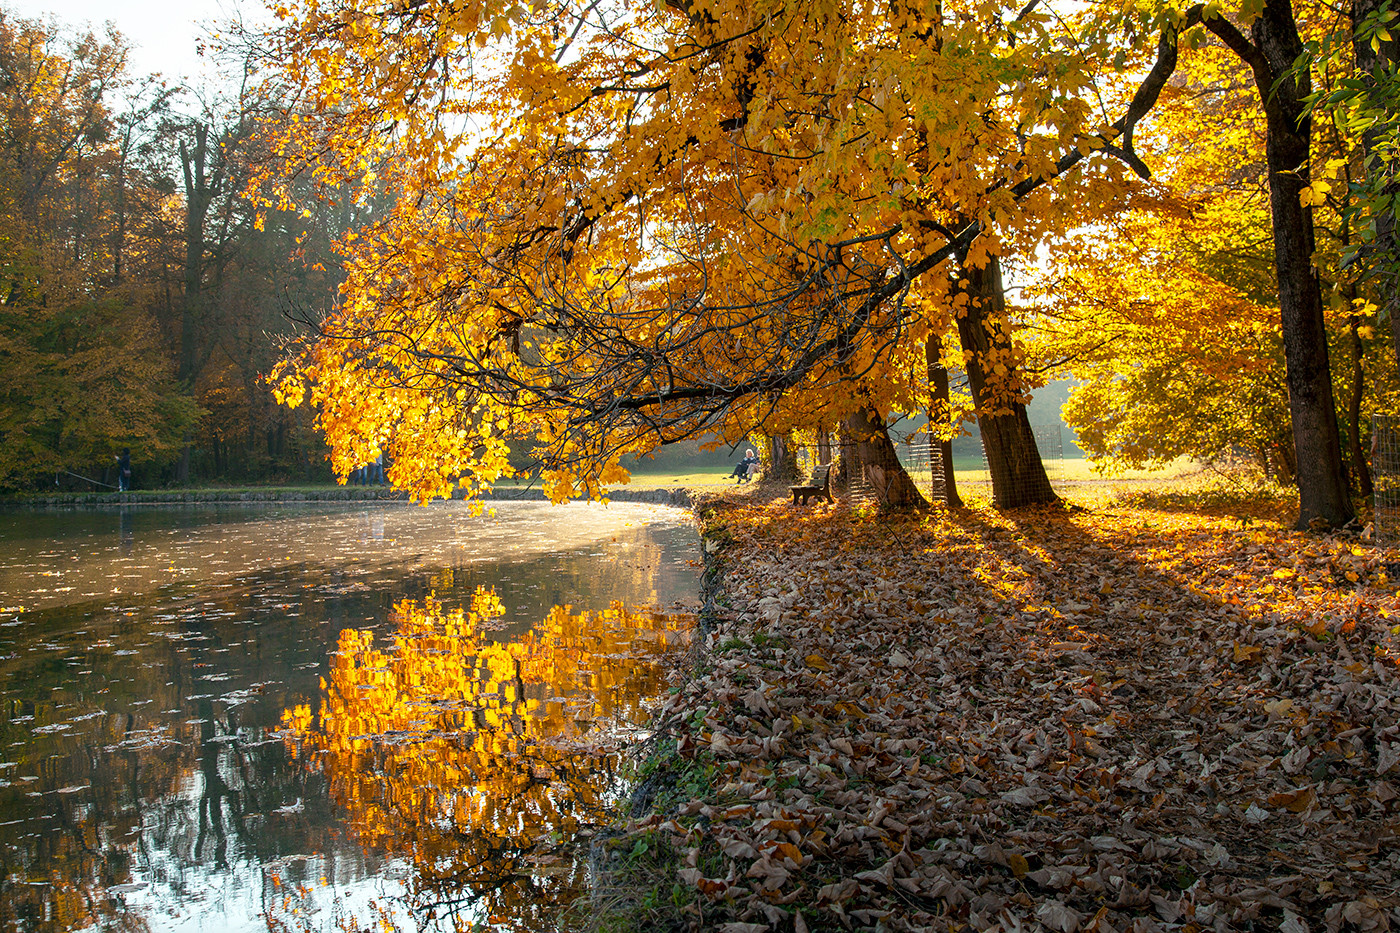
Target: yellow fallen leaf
{"type": "Point", "coordinates": [817, 662]}
{"type": "Point", "coordinates": [1294, 801]}
{"type": "Point", "coordinates": [1283, 573]}
{"type": "Point", "coordinates": [1018, 864]}
{"type": "Point", "coordinates": [1246, 652]}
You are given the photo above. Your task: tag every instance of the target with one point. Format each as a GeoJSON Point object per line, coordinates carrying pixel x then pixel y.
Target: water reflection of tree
{"type": "Point", "coordinates": [123, 774]}
{"type": "Point", "coordinates": [463, 754]}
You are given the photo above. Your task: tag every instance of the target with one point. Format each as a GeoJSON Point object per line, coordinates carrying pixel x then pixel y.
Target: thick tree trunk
{"type": "Point", "coordinates": [846, 462]}
{"type": "Point", "coordinates": [1322, 487]}
{"type": "Point", "coordinates": [823, 446]}
{"type": "Point", "coordinates": [1018, 475]}
{"type": "Point", "coordinates": [940, 412]}
{"type": "Point", "coordinates": [782, 465]}
{"type": "Point", "coordinates": [874, 456]}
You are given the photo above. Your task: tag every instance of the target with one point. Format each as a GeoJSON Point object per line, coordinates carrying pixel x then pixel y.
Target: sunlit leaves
{"type": "Point", "coordinates": [631, 222]}
{"type": "Point", "coordinates": [1103, 717]}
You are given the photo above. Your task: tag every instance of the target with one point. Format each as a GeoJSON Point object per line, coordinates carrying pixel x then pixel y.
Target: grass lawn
{"type": "Point", "coordinates": [1074, 478]}
{"type": "Point", "coordinates": [713, 476]}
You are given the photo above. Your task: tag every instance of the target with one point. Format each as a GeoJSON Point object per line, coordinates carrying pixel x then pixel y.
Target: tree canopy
{"type": "Point", "coordinates": [618, 225]}
{"type": "Point", "coordinates": [139, 305]}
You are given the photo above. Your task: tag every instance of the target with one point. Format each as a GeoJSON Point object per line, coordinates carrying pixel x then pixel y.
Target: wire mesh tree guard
{"type": "Point", "coordinates": [1385, 476]}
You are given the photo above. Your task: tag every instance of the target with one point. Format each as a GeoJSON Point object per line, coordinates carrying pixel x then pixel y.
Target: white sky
{"type": "Point", "coordinates": [164, 36]}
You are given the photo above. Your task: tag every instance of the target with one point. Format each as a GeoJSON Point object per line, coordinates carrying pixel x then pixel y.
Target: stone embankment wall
{"type": "Point", "coordinates": [677, 497]}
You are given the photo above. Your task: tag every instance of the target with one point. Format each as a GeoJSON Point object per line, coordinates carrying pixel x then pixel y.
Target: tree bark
{"type": "Point", "coordinates": [940, 411]}
{"type": "Point", "coordinates": [873, 454]}
{"type": "Point", "coordinates": [1360, 468]}
{"type": "Point", "coordinates": [782, 465]}
{"type": "Point", "coordinates": [1322, 487]}
{"type": "Point", "coordinates": [1275, 46]}
{"type": "Point", "coordinates": [1018, 475]}
{"type": "Point", "coordinates": [823, 446]}
{"type": "Point", "coordinates": [200, 190]}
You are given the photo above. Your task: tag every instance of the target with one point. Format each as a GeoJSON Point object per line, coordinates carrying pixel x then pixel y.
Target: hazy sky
{"type": "Point", "coordinates": [164, 36]}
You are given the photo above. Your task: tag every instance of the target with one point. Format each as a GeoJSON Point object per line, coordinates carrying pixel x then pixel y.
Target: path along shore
{"type": "Point", "coordinates": [1120, 719]}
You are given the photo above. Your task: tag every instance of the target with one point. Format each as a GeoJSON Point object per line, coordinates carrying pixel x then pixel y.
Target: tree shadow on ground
{"type": "Point", "coordinates": [1224, 733]}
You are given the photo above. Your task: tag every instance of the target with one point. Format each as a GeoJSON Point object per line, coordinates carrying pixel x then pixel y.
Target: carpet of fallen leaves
{"type": "Point", "coordinates": [1117, 719]}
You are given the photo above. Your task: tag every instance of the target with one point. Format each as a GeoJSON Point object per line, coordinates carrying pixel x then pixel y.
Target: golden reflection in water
{"type": "Point", "coordinates": [462, 754]}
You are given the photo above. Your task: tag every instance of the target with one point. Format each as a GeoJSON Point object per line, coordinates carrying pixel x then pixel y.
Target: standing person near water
{"type": "Point", "coordinates": [124, 470]}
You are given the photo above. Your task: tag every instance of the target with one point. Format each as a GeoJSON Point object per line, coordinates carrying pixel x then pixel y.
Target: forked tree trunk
{"type": "Point", "coordinates": [873, 455]}
{"type": "Point", "coordinates": [940, 411]}
{"type": "Point", "coordinates": [1018, 475]}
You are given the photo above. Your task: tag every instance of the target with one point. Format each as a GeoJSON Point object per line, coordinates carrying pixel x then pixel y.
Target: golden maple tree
{"type": "Point", "coordinates": [619, 226]}
{"type": "Point", "coordinates": [622, 225]}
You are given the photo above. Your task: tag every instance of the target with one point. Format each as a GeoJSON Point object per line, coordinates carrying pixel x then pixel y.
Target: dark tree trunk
{"type": "Point", "coordinates": [823, 446]}
{"type": "Point", "coordinates": [940, 412]}
{"type": "Point", "coordinates": [846, 463]}
{"type": "Point", "coordinates": [1360, 468]}
{"type": "Point", "coordinates": [1275, 46]}
{"type": "Point", "coordinates": [200, 190]}
{"type": "Point", "coordinates": [874, 456]}
{"type": "Point", "coordinates": [1018, 476]}
{"type": "Point", "coordinates": [1322, 487]}
{"type": "Point", "coordinates": [782, 465]}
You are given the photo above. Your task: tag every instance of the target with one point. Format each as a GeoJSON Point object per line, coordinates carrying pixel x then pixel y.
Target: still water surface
{"type": "Point", "coordinates": [283, 716]}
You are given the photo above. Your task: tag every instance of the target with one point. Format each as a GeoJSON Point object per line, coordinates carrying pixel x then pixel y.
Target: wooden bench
{"type": "Point", "coordinates": [820, 485]}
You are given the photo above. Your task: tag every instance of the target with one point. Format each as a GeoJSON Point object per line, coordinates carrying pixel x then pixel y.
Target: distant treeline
{"type": "Point", "coordinates": [142, 297]}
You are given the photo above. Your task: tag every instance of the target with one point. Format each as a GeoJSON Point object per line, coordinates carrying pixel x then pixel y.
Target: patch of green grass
{"type": "Point", "coordinates": [768, 640]}
{"type": "Point", "coordinates": [669, 479]}
{"type": "Point", "coordinates": [637, 888]}
{"type": "Point", "coordinates": [1244, 495]}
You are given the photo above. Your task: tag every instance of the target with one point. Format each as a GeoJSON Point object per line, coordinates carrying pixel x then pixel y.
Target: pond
{"type": "Point", "coordinates": [253, 717]}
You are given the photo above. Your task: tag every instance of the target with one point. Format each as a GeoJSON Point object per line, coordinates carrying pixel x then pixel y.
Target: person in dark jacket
{"type": "Point", "coordinates": [124, 470]}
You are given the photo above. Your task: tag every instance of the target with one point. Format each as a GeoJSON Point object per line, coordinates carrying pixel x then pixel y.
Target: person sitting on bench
{"type": "Point", "coordinates": [746, 468]}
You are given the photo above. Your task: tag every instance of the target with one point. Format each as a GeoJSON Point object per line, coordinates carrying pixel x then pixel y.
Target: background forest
{"type": "Point", "coordinates": [552, 259]}
{"type": "Point", "coordinates": [141, 299]}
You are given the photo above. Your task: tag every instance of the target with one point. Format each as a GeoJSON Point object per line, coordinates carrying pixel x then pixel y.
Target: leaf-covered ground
{"type": "Point", "coordinates": [1116, 719]}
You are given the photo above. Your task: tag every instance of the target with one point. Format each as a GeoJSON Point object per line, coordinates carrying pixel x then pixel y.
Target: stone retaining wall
{"type": "Point", "coordinates": [679, 497]}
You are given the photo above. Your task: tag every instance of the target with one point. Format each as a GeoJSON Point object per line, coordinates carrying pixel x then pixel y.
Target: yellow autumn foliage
{"type": "Point", "coordinates": [462, 753]}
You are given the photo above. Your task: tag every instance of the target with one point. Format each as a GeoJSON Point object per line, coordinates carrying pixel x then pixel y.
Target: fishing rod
{"type": "Point", "coordinates": [82, 477]}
